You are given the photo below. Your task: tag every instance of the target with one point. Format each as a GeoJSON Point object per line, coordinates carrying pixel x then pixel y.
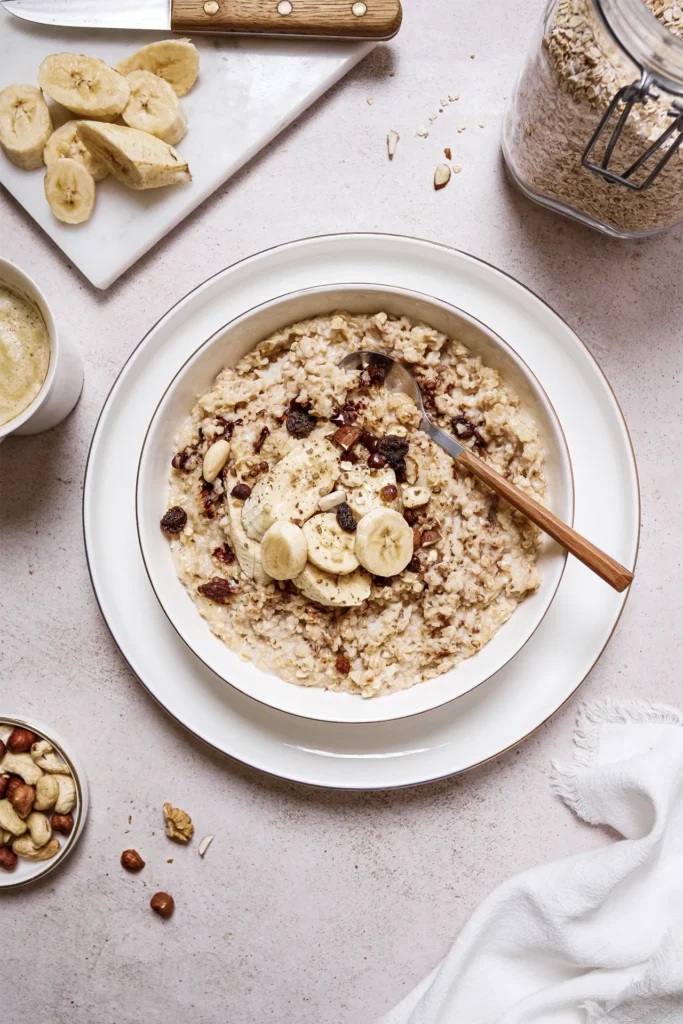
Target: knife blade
{"type": "Point", "coordinates": [340, 19]}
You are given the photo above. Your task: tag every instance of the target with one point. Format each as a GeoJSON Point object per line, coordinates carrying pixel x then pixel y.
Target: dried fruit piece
{"type": "Point", "coordinates": [174, 520]}
{"type": "Point", "coordinates": [179, 825]}
{"type": "Point", "coordinates": [342, 665]}
{"type": "Point", "coordinates": [394, 449]}
{"type": "Point", "coordinates": [130, 859]}
{"type": "Point", "coordinates": [345, 517]}
{"type": "Point", "coordinates": [442, 175]}
{"type": "Point", "coordinates": [162, 904]}
{"type": "Point", "coordinates": [299, 422]}
{"type": "Point", "coordinates": [392, 139]}
{"type": "Point", "coordinates": [218, 590]}
{"type": "Point", "coordinates": [260, 440]}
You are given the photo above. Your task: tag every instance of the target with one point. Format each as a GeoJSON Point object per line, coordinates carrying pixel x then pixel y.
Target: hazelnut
{"type": "Point", "coordinates": [130, 859]}
{"type": "Point", "coordinates": [417, 537]}
{"type": "Point", "coordinates": [14, 783]}
{"type": "Point", "coordinates": [21, 740]}
{"type": "Point", "coordinates": [162, 904]}
{"type": "Point", "coordinates": [4, 783]}
{"type": "Point", "coordinates": [430, 537]}
{"type": "Point", "coordinates": [389, 493]}
{"type": "Point", "coordinates": [8, 859]}
{"type": "Point", "coordinates": [63, 823]}
{"type": "Point", "coordinates": [2, 749]}
{"type": "Point", "coordinates": [241, 491]}
{"type": "Point", "coordinates": [377, 461]}
{"type": "Point", "coordinates": [22, 799]}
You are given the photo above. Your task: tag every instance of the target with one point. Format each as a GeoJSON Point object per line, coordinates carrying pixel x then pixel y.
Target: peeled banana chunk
{"type": "Point", "coordinates": [25, 125]}
{"type": "Point", "coordinates": [85, 85]}
{"type": "Point", "coordinates": [136, 158]}
{"type": "Point", "coordinates": [70, 191]}
{"type": "Point", "coordinates": [64, 143]}
{"type": "Point", "coordinates": [154, 107]}
{"type": "Point", "coordinates": [333, 591]}
{"type": "Point", "coordinates": [174, 60]}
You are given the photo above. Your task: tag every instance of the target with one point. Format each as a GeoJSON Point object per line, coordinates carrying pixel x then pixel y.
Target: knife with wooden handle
{"type": "Point", "coordinates": [337, 19]}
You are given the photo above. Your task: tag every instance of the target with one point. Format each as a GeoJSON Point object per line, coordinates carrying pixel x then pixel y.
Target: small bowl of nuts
{"type": "Point", "coordinates": [43, 801]}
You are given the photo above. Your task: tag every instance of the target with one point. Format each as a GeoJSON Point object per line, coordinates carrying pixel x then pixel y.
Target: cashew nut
{"type": "Point", "coordinates": [47, 791]}
{"type": "Point", "coordinates": [39, 828]}
{"type": "Point", "coordinates": [21, 765]}
{"type": "Point", "coordinates": [4, 837]}
{"type": "Point", "coordinates": [25, 847]}
{"type": "Point", "coordinates": [66, 801]}
{"type": "Point", "coordinates": [10, 820]}
{"type": "Point", "coordinates": [43, 753]}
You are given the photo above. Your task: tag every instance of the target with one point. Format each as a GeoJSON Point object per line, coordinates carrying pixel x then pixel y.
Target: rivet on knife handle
{"type": "Point", "coordinates": [362, 19]}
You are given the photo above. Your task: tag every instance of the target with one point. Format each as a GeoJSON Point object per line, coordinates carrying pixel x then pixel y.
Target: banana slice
{"type": "Point", "coordinates": [247, 551]}
{"type": "Point", "coordinates": [329, 547]}
{"type": "Point", "coordinates": [283, 550]}
{"type": "Point", "coordinates": [65, 143]}
{"type": "Point", "coordinates": [153, 107]}
{"type": "Point", "coordinates": [25, 125]}
{"type": "Point", "coordinates": [136, 158]}
{"type": "Point", "coordinates": [85, 85]}
{"type": "Point", "coordinates": [70, 191]}
{"type": "Point", "coordinates": [363, 487]}
{"type": "Point", "coordinates": [384, 542]}
{"type": "Point", "coordinates": [333, 591]}
{"type": "Point", "coordinates": [291, 490]}
{"type": "Point", "coordinates": [174, 60]}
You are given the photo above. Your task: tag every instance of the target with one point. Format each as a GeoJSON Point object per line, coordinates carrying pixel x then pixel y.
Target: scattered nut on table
{"type": "Point", "coordinates": [34, 783]}
{"type": "Point", "coordinates": [132, 861]}
{"type": "Point", "coordinates": [179, 825]}
{"type": "Point", "coordinates": [162, 904]}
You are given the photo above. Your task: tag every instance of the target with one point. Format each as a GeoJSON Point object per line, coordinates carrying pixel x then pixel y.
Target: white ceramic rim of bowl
{"type": "Point", "coordinates": [293, 694]}
{"type": "Point", "coordinates": [7, 881]}
{"type": "Point", "coordinates": [31, 289]}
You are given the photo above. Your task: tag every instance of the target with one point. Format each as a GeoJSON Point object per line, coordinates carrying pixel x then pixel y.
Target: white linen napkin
{"type": "Point", "coordinates": [597, 937]}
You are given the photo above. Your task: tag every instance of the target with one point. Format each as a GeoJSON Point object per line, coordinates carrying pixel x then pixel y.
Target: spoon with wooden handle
{"type": "Point", "coordinates": [398, 378]}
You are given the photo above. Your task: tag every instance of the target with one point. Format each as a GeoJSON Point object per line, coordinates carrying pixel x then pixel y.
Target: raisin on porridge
{"type": "Point", "coordinates": [335, 546]}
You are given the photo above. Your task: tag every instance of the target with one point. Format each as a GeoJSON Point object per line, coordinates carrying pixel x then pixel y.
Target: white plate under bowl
{"type": "Point", "coordinates": [225, 348]}
{"type": "Point", "coordinates": [465, 732]}
{"type": "Point", "coordinates": [31, 870]}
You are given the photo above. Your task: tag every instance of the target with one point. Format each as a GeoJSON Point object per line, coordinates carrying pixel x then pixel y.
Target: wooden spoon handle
{"type": "Point", "coordinates": [607, 568]}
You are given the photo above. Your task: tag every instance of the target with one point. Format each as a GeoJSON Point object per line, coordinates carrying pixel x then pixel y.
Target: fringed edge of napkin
{"type": "Point", "coordinates": [590, 719]}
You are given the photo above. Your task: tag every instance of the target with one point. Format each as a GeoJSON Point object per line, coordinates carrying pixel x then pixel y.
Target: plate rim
{"type": "Point", "coordinates": [505, 345]}
{"type": "Point", "coordinates": [360, 235]}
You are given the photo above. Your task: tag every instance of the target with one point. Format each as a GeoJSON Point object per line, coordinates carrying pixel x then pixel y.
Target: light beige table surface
{"type": "Point", "coordinates": [310, 906]}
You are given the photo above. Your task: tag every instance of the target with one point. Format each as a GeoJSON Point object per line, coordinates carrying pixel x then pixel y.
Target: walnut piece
{"type": "Point", "coordinates": [179, 825]}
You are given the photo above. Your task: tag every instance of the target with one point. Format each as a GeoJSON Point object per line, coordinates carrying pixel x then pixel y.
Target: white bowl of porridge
{"type": "Point", "coordinates": [311, 545]}
{"type": "Point", "coordinates": [41, 374]}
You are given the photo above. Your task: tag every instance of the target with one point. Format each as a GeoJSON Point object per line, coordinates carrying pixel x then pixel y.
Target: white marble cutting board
{"type": "Point", "coordinates": [248, 90]}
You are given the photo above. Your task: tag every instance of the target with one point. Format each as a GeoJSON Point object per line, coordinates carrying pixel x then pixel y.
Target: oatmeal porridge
{"type": "Point", "coordinates": [328, 540]}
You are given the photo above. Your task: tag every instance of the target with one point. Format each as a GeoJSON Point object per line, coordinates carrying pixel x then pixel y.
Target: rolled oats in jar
{"type": "Point", "coordinates": [623, 176]}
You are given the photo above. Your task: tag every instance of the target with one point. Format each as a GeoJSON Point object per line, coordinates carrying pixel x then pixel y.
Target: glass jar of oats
{"type": "Point", "coordinates": [595, 123]}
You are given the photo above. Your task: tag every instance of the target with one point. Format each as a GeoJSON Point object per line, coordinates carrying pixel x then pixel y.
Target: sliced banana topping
{"type": "Point", "coordinates": [174, 60]}
{"type": "Point", "coordinates": [333, 591]}
{"type": "Point", "coordinates": [284, 550]}
{"type": "Point", "coordinates": [247, 551]}
{"type": "Point", "coordinates": [329, 547]}
{"type": "Point", "coordinates": [25, 125]}
{"type": "Point", "coordinates": [70, 191]}
{"type": "Point", "coordinates": [153, 107]}
{"type": "Point", "coordinates": [136, 158]}
{"type": "Point", "coordinates": [384, 542]}
{"type": "Point", "coordinates": [291, 490]}
{"type": "Point", "coordinates": [64, 143]}
{"type": "Point", "coordinates": [363, 488]}
{"type": "Point", "coordinates": [85, 85]}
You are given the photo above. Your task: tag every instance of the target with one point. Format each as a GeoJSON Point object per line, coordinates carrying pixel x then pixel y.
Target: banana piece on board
{"type": "Point", "coordinates": [70, 191]}
{"type": "Point", "coordinates": [85, 85]}
{"type": "Point", "coordinates": [25, 125]}
{"type": "Point", "coordinates": [64, 143]}
{"type": "Point", "coordinates": [283, 550]}
{"type": "Point", "coordinates": [329, 547]}
{"type": "Point", "coordinates": [333, 591]}
{"type": "Point", "coordinates": [363, 486]}
{"type": "Point", "coordinates": [153, 107]}
{"type": "Point", "coordinates": [384, 542]}
{"type": "Point", "coordinates": [291, 490]}
{"type": "Point", "coordinates": [174, 60]}
{"type": "Point", "coordinates": [135, 158]}
{"type": "Point", "coordinates": [247, 551]}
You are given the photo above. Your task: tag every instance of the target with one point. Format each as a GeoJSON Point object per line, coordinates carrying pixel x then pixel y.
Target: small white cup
{"type": "Point", "coordinates": [64, 381]}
